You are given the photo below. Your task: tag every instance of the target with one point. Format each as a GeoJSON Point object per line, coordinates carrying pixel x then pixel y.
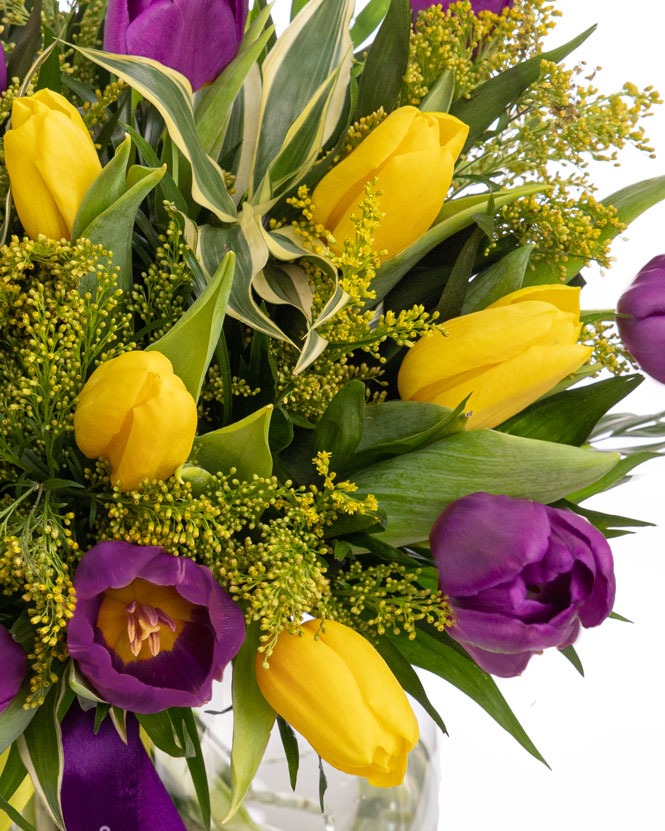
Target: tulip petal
{"type": "Point", "coordinates": [564, 298]}
{"type": "Point", "coordinates": [452, 132]}
{"type": "Point", "coordinates": [498, 663]}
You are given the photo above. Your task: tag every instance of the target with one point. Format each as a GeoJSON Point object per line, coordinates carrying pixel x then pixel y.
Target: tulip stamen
{"type": "Point", "coordinates": [144, 623]}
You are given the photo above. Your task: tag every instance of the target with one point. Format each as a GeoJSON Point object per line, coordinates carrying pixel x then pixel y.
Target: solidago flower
{"type": "Point", "coordinates": [411, 155]}
{"type": "Point", "coordinates": [51, 162]}
{"type": "Point", "coordinates": [336, 690]}
{"type": "Point", "coordinates": [135, 412]}
{"type": "Point", "coordinates": [504, 357]}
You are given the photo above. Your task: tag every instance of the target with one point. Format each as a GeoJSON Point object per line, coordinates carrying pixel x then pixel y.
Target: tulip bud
{"type": "Point", "coordinates": [643, 326]}
{"type": "Point", "coordinates": [135, 412]}
{"type": "Point", "coordinates": [505, 356]}
{"type": "Point", "coordinates": [198, 38]}
{"type": "Point", "coordinates": [336, 690]}
{"type": "Point", "coordinates": [412, 156]}
{"type": "Point", "coordinates": [51, 162]}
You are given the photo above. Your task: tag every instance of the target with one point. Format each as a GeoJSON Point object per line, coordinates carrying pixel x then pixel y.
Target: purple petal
{"type": "Point", "coordinates": [500, 633]}
{"type": "Point", "coordinates": [475, 544]}
{"type": "Point", "coordinates": [13, 662]}
{"type": "Point", "coordinates": [498, 663]}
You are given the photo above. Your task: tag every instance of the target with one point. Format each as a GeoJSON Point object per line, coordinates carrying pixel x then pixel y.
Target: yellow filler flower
{"type": "Point", "coordinates": [135, 412]}
{"type": "Point", "coordinates": [412, 156]}
{"type": "Point", "coordinates": [338, 692]}
{"type": "Point", "coordinates": [505, 356]}
{"type": "Point", "coordinates": [51, 162]}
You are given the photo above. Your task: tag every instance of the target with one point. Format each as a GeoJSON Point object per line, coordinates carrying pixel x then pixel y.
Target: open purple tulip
{"type": "Point", "coordinates": [196, 37]}
{"type": "Point", "coordinates": [643, 332]}
{"type": "Point", "coordinates": [495, 6]}
{"type": "Point", "coordinates": [151, 631]}
{"type": "Point", "coordinates": [12, 661]}
{"type": "Point", "coordinates": [520, 576]}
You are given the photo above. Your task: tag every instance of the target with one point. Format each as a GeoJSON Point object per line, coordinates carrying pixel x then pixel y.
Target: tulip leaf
{"type": "Point", "coordinates": [107, 188]}
{"type": "Point", "coordinates": [448, 223]}
{"type": "Point", "coordinates": [171, 93]}
{"type": "Point", "coordinates": [441, 94]}
{"type": "Point", "coordinates": [161, 732]}
{"type": "Point", "coordinates": [629, 202]}
{"type": "Point", "coordinates": [49, 74]}
{"type": "Point", "coordinates": [253, 719]}
{"type": "Point", "coordinates": [367, 20]}
{"type": "Point", "coordinates": [490, 100]}
{"type": "Point", "coordinates": [15, 718]}
{"type": "Point", "coordinates": [341, 425]}
{"type": "Point", "coordinates": [315, 44]}
{"type": "Point", "coordinates": [407, 677]}
{"type": "Point", "coordinates": [187, 732]}
{"type": "Point", "coordinates": [190, 344]}
{"type": "Point", "coordinates": [439, 654]}
{"type": "Point", "coordinates": [498, 280]}
{"type": "Point", "coordinates": [113, 227]}
{"type": "Point", "coordinates": [454, 291]}
{"type": "Point", "coordinates": [570, 653]}
{"type": "Point", "coordinates": [19, 820]}
{"type": "Point", "coordinates": [570, 416]}
{"type": "Point", "coordinates": [397, 427]}
{"type": "Point", "coordinates": [386, 63]}
{"type": "Point", "coordinates": [609, 525]}
{"type": "Point", "coordinates": [12, 774]}
{"type": "Point", "coordinates": [26, 44]}
{"type": "Point", "coordinates": [323, 785]}
{"type": "Point", "coordinates": [243, 445]}
{"type": "Point", "coordinates": [291, 750]}
{"type": "Point", "coordinates": [613, 477]}
{"type": "Point", "coordinates": [414, 488]}
{"type": "Point", "coordinates": [40, 747]}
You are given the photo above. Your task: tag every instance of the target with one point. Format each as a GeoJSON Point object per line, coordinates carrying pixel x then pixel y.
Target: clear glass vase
{"type": "Point", "coordinates": [350, 803]}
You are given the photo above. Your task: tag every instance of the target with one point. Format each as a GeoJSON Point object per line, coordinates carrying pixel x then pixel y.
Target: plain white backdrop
{"type": "Point", "coordinates": [603, 734]}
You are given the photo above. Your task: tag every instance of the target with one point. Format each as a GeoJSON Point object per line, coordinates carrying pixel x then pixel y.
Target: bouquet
{"type": "Point", "coordinates": [296, 386]}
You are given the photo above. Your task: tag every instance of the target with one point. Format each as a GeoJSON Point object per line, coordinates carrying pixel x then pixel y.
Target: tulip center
{"type": "Point", "coordinates": [144, 623]}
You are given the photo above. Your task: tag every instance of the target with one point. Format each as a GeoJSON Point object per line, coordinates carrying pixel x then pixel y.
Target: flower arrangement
{"type": "Point", "coordinates": [297, 385]}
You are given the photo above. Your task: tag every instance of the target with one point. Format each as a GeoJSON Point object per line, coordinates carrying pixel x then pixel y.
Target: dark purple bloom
{"type": "Point", "coordinates": [150, 630]}
{"type": "Point", "coordinates": [520, 576]}
{"type": "Point", "coordinates": [196, 37]}
{"type": "Point", "coordinates": [495, 6]}
{"type": "Point", "coordinates": [643, 332]}
{"type": "Point", "coordinates": [127, 793]}
{"type": "Point", "coordinates": [12, 662]}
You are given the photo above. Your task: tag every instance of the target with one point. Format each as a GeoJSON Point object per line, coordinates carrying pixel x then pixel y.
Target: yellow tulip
{"type": "Point", "coordinates": [338, 692]}
{"type": "Point", "coordinates": [51, 162]}
{"type": "Point", "coordinates": [135, 412]}
{"type": "Point", "coordinates": [20, 798]}
{"type": "Point", "coordinates": [412, 156]}
{"type": "Point", "coordinates": [505, 356]}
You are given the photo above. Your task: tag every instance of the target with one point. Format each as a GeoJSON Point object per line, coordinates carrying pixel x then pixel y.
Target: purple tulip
{"type": "Point", "coordinates": [151, 631]}
{"type": "Point", "coordinates": [495, 6]}
{"type": "Point", "coordinates": [643, 332]}
{"type": "Point", "coordinates": [520, 576]}
{"type": "Point", "coordinates": [196, 37]}
{"type": "Point", "coordinates": [12, 661]}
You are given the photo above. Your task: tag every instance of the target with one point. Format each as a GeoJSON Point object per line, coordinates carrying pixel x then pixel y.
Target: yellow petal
{"type": "Point", "coordinates": [452, 132]}
{"type": "Point", "coordinates": [565, 298]}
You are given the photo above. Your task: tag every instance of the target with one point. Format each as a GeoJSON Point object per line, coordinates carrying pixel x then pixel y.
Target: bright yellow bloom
{"type": "Point", "coordinates": [505, 356]}
{"type": "Point", "coordinates": [338, 692]}
{"type": "Point", "coordinates": [135, 412]}
{"type": "Point", "coordinates": [51, 162]}
{"type": "Point", "coordinates": [20, 798]}
{"type": "Point", "coordinates": [412, 156]}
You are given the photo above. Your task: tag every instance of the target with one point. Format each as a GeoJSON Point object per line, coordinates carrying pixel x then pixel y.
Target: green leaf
{"type": "Point", "coordinates": [243, 445]}
{"type": "Point", "coordinates": [113, 228]}
{"type": "Point", "coordinates": [291, 751]}
{"type": "Point", "coordinates": [610, 525]}
{"type": "Point", "coordinates": [367, 20]}
{"type": "Point", "coordinates": [341, 426]}
{"type": "Point", "coordinates": [49, 74]}
{"type": "Point", "coordinates": [167, 185]}
{"type": "Point", "coordinates": [40, 747]}
{"type": "Point", "coordinates": [441, 94]}
{"type": "Point", "coordinates": [190, 344]}
{"type": "Point", "coordinates": [12, 774]}
{"type": "Point", "coordinates": [490, 100]}
{"type": "Point", "coordinates": [171, 93]}
{"type": "Point", "coordinates": [14, 718]}
{"type": "Point", "coordinates": [629, 202]}
{"type": "Point", "coordinates": [570, 653]}
{"type": "Point", "coordinates": [315, 44]}
{"type": "Point", "coordinates": [455, 216]}
{"type": "Point", "coordinates": [397, 427]}
{"type": "Point", "coordinates": [414, 488]}
{"type": "Point", "coordinates": [498, 280]}
{"type": "Point", "coordinates": [614, 477]}
{"type": "Point", "coordinates": [185, 727]}
{"type": "Point", "coordinates": [454, 291]}
{"type": "Point", "coordinates": [253, 719]}
{"type": "Point", "coordinates": [26, 44]}
{"type": "Point", "coordinates": [323, 785]}
{"type": "Point", "coordinates": [617, 616]}
{"type": "Point", "coordinates": [407, 677]}
{"type": "Point", "coordinates": [570, 416]}
{"type": "Point", "coordinates": [450, 662]}
{"type": "Point", "coordinates": [14, 815]}
{"type": "Point", "coordinates": [386, 63]}
{"type": "Point", "coordinates": [107, 188]}
{"type": "Point", "coordinates": [159, 728]}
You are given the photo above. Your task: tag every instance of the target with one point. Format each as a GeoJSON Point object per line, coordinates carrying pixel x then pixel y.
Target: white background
{"type": "Point", "coordinates": [603, 734]}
